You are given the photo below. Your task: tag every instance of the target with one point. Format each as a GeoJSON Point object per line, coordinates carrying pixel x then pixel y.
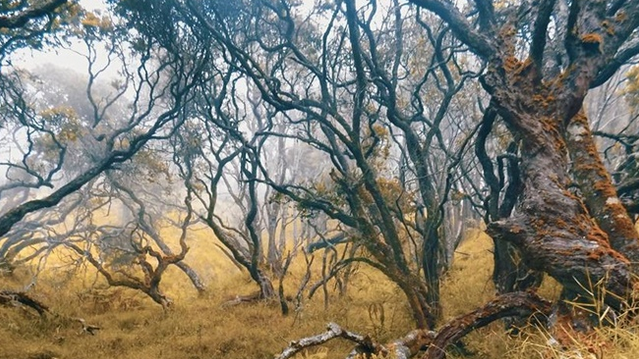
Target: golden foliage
{"type": "Point", "coordinates": [631, 89]}
{"type": "Point", "coordinates": [593, 40]}
{"type": "Point", "coordinates": [91, 20]}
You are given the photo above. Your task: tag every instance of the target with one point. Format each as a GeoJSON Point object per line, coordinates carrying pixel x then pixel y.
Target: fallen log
{"type": "Point", "coordinates": [518, 304]}
{"type": "Point", "coordinates": [239, 299]}
{"type": "Point", "coordinates": [12, 298]}
{"type": "Point", "coordinates": [20, 299]}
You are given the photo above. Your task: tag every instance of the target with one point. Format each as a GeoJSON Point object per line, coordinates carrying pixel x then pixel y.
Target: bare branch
{"type": "Point", "coordinates": [460, 26]}
{"type": "Point", "coordinates": [21, 19]}
{"type": "Point", "coordinates": [333, 331]}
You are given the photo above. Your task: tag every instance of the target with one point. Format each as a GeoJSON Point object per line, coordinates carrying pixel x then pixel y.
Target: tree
{"type": "Point", "coordinates": [132, 254]}
{"type": "Point", "coordinates": [537, 80]}
{"type": "Point", "coordinates": [72, 135]}
{"type": "Point", "coordinates": [214, 156]}
{"type": "Point", "coordinates": [352, 111]}
{"type": "Point", "coordinates": [383, 118]}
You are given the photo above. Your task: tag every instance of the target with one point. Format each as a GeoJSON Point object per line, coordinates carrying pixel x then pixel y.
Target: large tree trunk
{"type": "Point", "coordinates": [567, 234]}
{"type": "Point", "coordinates": [552, 227]}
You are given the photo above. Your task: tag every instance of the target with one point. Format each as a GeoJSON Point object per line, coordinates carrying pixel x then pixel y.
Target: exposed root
{"type": "Point", "coordinates": [518, 304]}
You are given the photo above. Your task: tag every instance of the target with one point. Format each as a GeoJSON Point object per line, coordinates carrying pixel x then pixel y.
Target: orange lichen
{"type": "Point", "coordinates": [598, 236]}
{"type": "Point", "coordinates": [594, 255]}
{"type": "Point", "coordinates": [570, 195]}
{"type": "Point", "coordinates": [551, 129]}
{"type": "Point", "coordinates": [621, 16]}
{"type": "Point", "coordinates": [522, 67]}
{"type": "Point", "coordinates": [592, 38]}
{"type": "Point", "coordinates": [544, 101]}
{"type": "Point", "coordinates": [561, 223]}
{"type": "Point", "coordinates": [604, 189]}
{"type": "Point", "coordinates": [606, 25]}
{"type": "Point", "coordinates": [506, 34]}
{"type": "Point", "coordinates": [511, 63]}
{"type": "Point", "coordinates": [580, 118]}
{"type": "Point", "coordinates": [593, 41]}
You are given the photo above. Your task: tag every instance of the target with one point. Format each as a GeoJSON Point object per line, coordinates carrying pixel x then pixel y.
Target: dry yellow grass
{"type": "Point", "coordinates": [201, 327]}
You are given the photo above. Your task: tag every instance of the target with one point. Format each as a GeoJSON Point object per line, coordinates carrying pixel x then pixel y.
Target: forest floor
{"type": "Point", "coordinates": [133, 327]}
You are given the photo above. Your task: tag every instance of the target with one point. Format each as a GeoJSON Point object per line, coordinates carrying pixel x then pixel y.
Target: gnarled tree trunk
{"type": "Point", "coordinates": [537, 85]}
{"type": "Point", "coordinates": [551, 225]}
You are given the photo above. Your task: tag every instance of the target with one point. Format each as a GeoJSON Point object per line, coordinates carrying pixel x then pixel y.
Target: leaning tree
{"type": "Point", "coordinates": [542, 58]}
{"type": "Point", "coordinates": [72, 152]}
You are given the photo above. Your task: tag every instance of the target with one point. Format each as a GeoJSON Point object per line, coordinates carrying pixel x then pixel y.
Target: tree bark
{"type": "Point", "coordinates": [551, 225]}
{"type": "Point", "coordinates": [600, 196]}
{"type": "Point", "coordinates": [193, 277]}
{"type": "Point", "coordinates": [510, 274]}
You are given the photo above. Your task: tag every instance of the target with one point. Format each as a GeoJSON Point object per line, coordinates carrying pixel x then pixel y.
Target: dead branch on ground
{"type": "Point", "coordinates": [87, 328]}
{"type": "Point", "coordinates": [518, 304]}
{"type": "Point", "coordinates": [332, 331]}
{"type": "Point", "coordinates": [239, 299]}
{"type": "Point", "coordinates": [19, 299]}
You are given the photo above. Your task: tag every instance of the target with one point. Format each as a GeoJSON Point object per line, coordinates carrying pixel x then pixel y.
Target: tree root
{"type": "Point", "coordinates": [519, 304]}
